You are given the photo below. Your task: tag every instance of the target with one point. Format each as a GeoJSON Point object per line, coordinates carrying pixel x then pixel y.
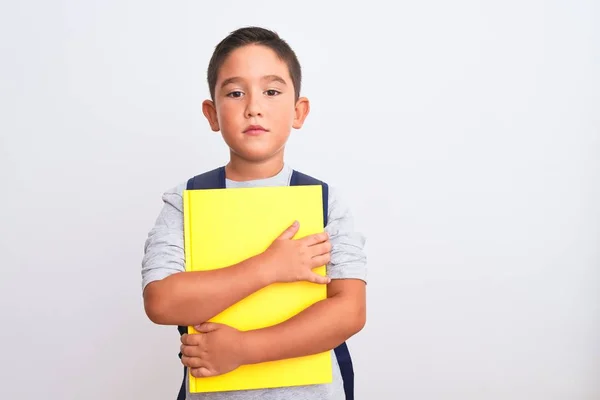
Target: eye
{"type": "Point", "coordinates": [235, 94]}
{"type": "Point", "coordinates": [272, 92]}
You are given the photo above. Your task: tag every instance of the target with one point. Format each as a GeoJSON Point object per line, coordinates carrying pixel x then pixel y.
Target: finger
{"type": "Point", "coordinates": [320, 249]}
{"type": "Point", "coordinates": [190, 351]}
{"type": "Point", "coordinates": [321, 260]}
{"type": "Point", "coordinates": [319, 279]}
{"type": "Point", "coordinates": [317, 238]}
{"type": "Point", "coordinates": [290, 232]}
{"type": "Point", "coordinates": [201, 372]}
{"type": "Point", "coordinates": [207, 327]}
{"type": "Point", "coordinates": [193, 362]}
{"type": "Point", "coordinates": [190, 340]}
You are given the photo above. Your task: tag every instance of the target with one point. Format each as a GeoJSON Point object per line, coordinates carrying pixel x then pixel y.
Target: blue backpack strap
{"type": "Point", "coordinates": [342, 352]}
{"type": "Point", "coordinates": [300, 179]}
{"type": "Point", "coordinates": [214, 179]}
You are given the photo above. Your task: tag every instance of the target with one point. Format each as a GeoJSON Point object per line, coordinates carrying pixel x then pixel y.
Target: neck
{"type": "Point", "coordinates": [241, 170]}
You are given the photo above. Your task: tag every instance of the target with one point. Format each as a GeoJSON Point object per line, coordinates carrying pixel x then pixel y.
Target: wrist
{"type": "Point", "coordinates": [263, 263]}
{"type": "Point", "coordinates": [250, 347]}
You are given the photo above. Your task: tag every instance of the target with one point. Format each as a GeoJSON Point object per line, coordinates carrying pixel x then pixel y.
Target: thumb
{"type": "Point", "coordinates": [290, 232]}
{"type": "Point", "coordinates": [320, 279]}
{"type": "Point", "coordinates": [207, 327]}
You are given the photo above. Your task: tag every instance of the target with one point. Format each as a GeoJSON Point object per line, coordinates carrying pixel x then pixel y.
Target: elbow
{"type": "Point", "coordinates": [156, 305]}
{"type": "Point", "coordinates": [355, 322]}
{"type": "Point", "coordinates": [156, 313]}
{"type": "Point", "coordinates": [359, 321]}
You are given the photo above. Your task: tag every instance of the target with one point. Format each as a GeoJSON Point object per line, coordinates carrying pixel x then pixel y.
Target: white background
{"type": "Point", "coordinates": [465, 135]}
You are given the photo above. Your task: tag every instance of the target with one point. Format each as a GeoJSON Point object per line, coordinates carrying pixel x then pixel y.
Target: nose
{"type": "Point", "coordinates": [253, 107]}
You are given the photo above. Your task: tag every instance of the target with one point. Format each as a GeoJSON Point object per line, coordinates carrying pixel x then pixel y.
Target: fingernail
{"type": "Point", "coordinates": [295, 223]}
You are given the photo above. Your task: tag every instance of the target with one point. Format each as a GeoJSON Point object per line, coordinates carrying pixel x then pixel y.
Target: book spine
{"type": "Point", "coordinates": [187, 230]}
{"type": "Point", "coordinates": [187, 237]}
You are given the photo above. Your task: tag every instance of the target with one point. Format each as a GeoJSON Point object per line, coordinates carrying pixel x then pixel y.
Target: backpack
{"type": "Point", "coordinates": [215, 179]}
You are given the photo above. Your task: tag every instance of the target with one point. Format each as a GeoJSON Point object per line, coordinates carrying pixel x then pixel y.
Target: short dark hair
{"type": "Point", "coordinates": [253, 35]}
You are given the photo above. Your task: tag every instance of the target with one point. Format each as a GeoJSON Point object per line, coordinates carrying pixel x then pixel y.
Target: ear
{"type": "Point", "coordinates": [301, 111]}
{"type": "Point", "coordinates": [210, 112]}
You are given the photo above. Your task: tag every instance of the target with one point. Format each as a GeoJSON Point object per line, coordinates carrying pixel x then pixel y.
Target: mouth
{"type": "Point", "coordinates": [254, 130]}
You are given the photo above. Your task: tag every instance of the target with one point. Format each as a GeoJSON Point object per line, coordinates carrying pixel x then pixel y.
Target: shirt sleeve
{"type": "Point", "coordinates": [163, 250]}
{"type": "Point", "coordinates": [348, 258]}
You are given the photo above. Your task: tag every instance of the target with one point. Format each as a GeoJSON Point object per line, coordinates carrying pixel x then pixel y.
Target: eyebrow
{"type": "Point", "coordinates": [270, 78]}
{"type": "Point", "coordinates": [274, 78]}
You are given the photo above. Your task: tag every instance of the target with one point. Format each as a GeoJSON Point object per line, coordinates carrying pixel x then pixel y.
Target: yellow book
{"type": "Point", "coordinates": [225, 226]}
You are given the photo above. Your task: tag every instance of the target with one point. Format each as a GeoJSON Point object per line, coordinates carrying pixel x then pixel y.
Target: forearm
{"type": "Point", "coordinates": [190, 298]}
{"type": "Point", "coordinates": [321, 327]}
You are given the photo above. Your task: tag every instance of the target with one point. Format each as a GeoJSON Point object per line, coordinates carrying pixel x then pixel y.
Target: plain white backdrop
{"type": "Point", "coordinates": [465, 135]}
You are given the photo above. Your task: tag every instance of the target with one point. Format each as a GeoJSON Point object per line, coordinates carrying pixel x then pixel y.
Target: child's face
{"type": "Point", "coordinates": [254, 89]}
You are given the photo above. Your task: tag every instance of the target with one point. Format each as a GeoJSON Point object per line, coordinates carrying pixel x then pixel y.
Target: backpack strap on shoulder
{"type": "Point", "coordinates": [342, 352]}
{"type": "Point", "coordinates": [214, 179]}
{"type": "Point", "coordinates": [300, 179]}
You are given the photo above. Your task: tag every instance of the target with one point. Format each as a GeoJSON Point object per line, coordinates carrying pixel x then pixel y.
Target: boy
{"type": "Point", "coordinates": [254, 80]}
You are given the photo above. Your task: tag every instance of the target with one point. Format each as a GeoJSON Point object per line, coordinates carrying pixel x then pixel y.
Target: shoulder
{"type": "Point", "coordinates": [174, 196]}
{"type": "Point", "coordinates": [348, 257]}
{"type": "Point", "coordinates": [338, 208]}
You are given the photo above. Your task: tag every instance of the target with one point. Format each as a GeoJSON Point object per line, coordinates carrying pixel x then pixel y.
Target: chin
{"type": "Point", "coordinates": [256, 156]}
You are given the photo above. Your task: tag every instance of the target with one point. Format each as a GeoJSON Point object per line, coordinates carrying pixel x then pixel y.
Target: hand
{"type": "Point", "coordinates": [216, 350]}
{"type": "Point", "coordinates": [293, 260]}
